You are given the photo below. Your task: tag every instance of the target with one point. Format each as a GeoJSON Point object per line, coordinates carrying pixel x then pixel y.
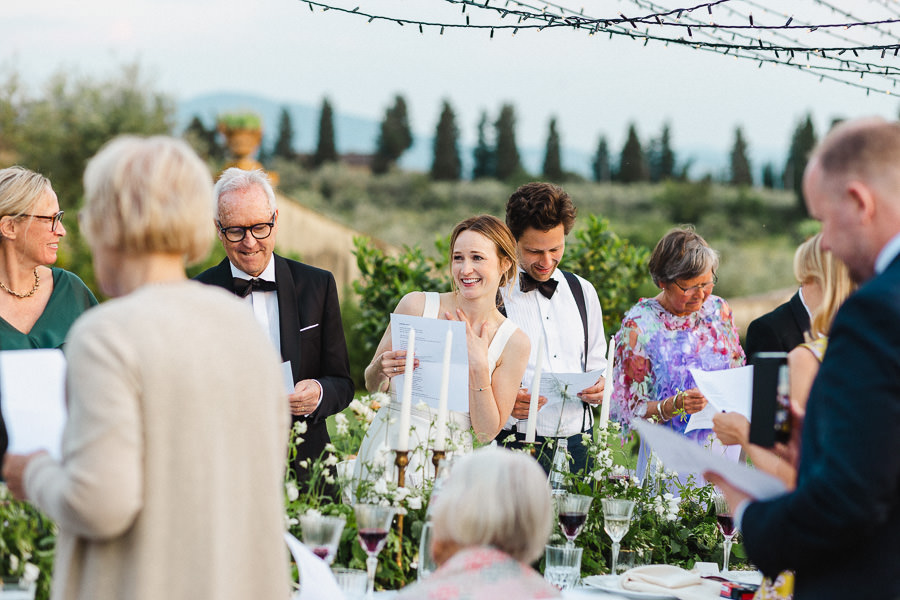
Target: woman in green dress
{"type": "Point", "coordinates": [38, 303]}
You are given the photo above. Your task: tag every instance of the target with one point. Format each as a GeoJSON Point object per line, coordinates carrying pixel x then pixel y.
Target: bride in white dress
{"type": "Point", "coordinates": [482, 258]}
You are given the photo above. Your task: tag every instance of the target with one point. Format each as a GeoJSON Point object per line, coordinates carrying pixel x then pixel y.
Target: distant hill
{"type": "Point", "coordinates": [359, 134]}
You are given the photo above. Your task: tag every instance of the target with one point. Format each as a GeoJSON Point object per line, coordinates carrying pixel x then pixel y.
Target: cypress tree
{"type": "Point", "coordinates": [632, 167]}
{"type": "Point", "coordinates": [284, 143]}
{"type": "Point", "coordinates": [802, 143]}
{"type": "Point", "coordinates": [660, 158]}
{"type": "Point", "coordinates": [326, 151]}
{"type": "Point", "coordinates": [768, 176]}
{"type": "Point", "coordinates": [395, 136]}
{"type": "Point", "coordinates": [601, 161]}
{"type": "Point", "coordinates": [507, 154]}
{"type": "Point", "coordinates": [552, 162]}
{"type": "Point", "coordinates": [446, 165]}
{"type": "Point", "coordinates": [741, 174]}
{"type": "Point", "coordinates": [483, 155]}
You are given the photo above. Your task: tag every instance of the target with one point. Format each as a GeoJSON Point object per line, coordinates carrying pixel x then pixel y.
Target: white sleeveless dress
{"type": "Point", "coordinates": [375, 459]}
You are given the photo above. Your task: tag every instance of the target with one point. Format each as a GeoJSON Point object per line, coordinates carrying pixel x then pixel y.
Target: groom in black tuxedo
{"type": "Point", "coordinates": [838, 529]}
{"type": "Point", "coordinates": [295, 303]}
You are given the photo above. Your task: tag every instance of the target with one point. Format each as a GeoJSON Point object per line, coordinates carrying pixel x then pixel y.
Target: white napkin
{"type": "Point", "coordinates": [668, 579]}
{"type": "Point", "coordinates": [317, 582]}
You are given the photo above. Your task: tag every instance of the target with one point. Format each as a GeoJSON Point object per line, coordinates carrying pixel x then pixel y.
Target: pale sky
{"type": "Point", "coordinates": [593, 85]}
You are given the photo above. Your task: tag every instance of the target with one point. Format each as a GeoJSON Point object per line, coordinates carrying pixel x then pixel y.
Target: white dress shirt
{"type": "Point", "coordinates": [264, 304]}
{"type": "Point", "coordinates": [559, 319]}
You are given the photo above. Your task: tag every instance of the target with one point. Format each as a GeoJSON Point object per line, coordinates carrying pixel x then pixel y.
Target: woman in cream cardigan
{"type": "Point", "coordinates": [173, 455]}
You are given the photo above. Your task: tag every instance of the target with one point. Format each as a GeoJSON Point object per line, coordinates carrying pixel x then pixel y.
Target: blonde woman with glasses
{"type": "Point", "coordinates": [38, 303]}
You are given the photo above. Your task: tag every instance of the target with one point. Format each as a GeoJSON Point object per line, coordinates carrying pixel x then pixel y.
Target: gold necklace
{"type": "Point", "coordinates": [37, 284]}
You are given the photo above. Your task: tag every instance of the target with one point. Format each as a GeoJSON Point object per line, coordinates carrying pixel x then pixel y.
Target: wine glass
{"type": "Point", "coordinates": [572, 510]}
{"type": "Point", "coordinates": [322, 534]}
{"type": "Point", "coordinates": [726, 526]}
{"type": "Point", "coordinates": [372, 522]}
{"type": "Point", "coordinates": [616, 521]}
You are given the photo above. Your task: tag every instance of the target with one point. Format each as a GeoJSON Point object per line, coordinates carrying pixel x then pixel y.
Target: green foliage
{"type": "Point", "coordinates": [26, 537]}
{"type": "Point", "coordinates": [614, 266]}
{"type": "Point", "coordinates": [506, 153]}
{"type": "Point", "coordinates": [326, 151]}
{"type": "Point", "coordinates": [447, 165]}
{"type": "Point", "coordinates": [239, 120]}
{"type": "Point", "coordinates": [395, 137]}
{"type": "Point", "coordinates": [660, 157]}
{"type": "Point", "coordinates": [284, 143]}
{"type": "Point", "coordinates": [483, 155]}
{"type": "Point", "coordinates": [802, 143]}
{"type": "Point", "coordinates": [741, 173]}
{"type": "Point", "coordinates": [600, 166]}
{"type": "Point", "coordinates": [685, 202]}
{"type": "Point", "coordinates": [204, 141]}
{"type": "Point", "coordinates": [56, 133]}
{"type": "Point", "coordinates": [384, 280]}
{"type": "Point", "coordinates": [632, 166]}
{"type": "Point", "coordinates": [552, 161]}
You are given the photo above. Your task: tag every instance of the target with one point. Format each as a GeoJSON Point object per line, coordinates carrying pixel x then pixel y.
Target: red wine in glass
{"type": "Point", "coordinates": [726, 524]}
{"type": "Point", "coordinates": [371, 539]}
{"type": "Point", "coordinates": [571, 523]}
{"type": "Point", "coordinates": [322, 552]}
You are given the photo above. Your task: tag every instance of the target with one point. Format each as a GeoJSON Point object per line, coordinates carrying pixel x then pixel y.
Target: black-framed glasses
{"type": "Point", "coordinates": [703, 287]}
{"type": "Point", "coordinates": [238, 232]}
{"type": "Point", "coordinates": [54, 219]}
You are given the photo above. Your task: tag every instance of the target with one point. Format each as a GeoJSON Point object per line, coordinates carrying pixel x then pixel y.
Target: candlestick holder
{"type": "Point", "coordinates": [436, 457]}
{"type": "Point", "coordinates": [401, 460]}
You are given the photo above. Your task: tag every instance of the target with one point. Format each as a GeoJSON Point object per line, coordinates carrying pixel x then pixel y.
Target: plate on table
{"type": "Point", "coordinates": [610, 583]}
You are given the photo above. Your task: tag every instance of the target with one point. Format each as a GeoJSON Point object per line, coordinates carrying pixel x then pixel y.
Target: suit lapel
{"type": "Point", "coordinates": [288, 315]}
{"type": "Point", "coordinates": [799, 312]}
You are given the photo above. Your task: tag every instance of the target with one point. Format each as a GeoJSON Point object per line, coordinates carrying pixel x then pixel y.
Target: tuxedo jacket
{"type": "Point", "coordinates": [780, 330]}
{"type": "Point", "coordinates": [839, 529]}
{"type": "Point", "coordinates": [312, 339]}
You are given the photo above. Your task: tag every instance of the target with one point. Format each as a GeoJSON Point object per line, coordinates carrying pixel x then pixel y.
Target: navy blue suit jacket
{"type": "Point", "coordinates": [312, 339]}
{"type": "Point", "coordinates": [840, 529]}
{"type": "Point", "coordinates": [780, 330]}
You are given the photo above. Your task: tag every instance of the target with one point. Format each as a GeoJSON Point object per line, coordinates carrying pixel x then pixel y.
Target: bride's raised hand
{"type": "Point", "coordinates": [477, 340]}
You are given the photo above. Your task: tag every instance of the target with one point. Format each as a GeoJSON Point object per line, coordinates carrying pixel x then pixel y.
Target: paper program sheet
{"type": "Point", "coordinates": [32, 392]}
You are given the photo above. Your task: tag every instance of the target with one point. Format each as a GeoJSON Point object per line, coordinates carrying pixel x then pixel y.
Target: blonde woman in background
{"type": "Point", "coordinates": [38, 303]}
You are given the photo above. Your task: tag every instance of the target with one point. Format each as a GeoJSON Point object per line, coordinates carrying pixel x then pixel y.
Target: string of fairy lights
{"type": "Point", "coordinates": [856, 45]}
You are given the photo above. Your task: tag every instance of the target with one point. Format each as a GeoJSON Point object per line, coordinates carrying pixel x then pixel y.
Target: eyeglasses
{"type": "Point", "coordinates": [703, 287]}
{"type": "Point", "coordinates": [237, 233]}
{"type": "Point", "coordinates": [54, 219]}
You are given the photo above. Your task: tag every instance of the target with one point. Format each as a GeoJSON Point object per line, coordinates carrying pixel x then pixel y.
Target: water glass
{"type": "Point", "coordinates": [352, 582]}
{"type": "Point", "coordinates": [322, 534]}
{"type": "Point", "coordinates": [562, 566]}
{"type": "Point", "coordinates": [426, 558]}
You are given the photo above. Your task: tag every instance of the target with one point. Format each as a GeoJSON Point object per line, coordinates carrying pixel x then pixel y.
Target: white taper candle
{"type": "Point", "coordinates": [406, 398]}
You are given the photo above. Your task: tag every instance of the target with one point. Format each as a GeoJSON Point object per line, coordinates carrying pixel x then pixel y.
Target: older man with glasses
{"type": "Point", "coordinates": [296, 304]}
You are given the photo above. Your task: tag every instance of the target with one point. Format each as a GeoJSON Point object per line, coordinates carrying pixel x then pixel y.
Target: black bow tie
{"type": "Point", "coordinates": [242, 287]}
{"type": "Point", "coordinates": [528, 283]}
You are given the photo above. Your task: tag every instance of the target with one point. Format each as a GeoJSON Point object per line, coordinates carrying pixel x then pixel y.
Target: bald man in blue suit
{"type": "Point", "coordinates": [839, 529]}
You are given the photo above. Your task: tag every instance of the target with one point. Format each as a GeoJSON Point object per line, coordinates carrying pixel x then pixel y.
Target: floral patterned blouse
{"type": "Point", "coordinates": [481, 573]}
{"type": "Point", "coordinates": [655, 349]}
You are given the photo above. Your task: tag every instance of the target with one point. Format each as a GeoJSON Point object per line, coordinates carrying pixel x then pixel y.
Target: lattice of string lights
{"type": "Point", "coordinates": [853, 42]}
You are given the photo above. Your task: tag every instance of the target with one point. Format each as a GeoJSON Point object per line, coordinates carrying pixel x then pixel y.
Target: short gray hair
{"type": "Point", "coordinates": [234, 179]}
{"type": "Point", "coordinates": [496, 497]}
{"type": "Point", "coordinates": [148, 195]}
{"type": "Point", "coordinates": [682, 254]}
